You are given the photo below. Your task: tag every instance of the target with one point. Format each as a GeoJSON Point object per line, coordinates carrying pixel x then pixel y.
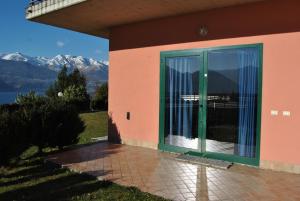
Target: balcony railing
{"type": "Point", "coordinates": [39, 7]}
{"type": "Point", "coordinates": [34, 2]}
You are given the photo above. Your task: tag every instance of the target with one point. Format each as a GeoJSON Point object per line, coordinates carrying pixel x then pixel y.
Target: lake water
{"type": "Point", "coordinates": [10, 97]}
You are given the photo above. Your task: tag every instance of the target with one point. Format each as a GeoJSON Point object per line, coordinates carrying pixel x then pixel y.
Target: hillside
{"type": "Point", "coordinates": [20, 72]}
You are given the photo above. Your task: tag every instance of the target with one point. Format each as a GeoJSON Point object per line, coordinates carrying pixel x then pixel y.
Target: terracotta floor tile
{"type": "Point", "coordinates": [161, 174]}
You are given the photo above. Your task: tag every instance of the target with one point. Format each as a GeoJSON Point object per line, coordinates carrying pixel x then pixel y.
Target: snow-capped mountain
{"type": "Point", "coordinates": [57, 62]}
{"type": "Point", "coordinates": [17, 67]}
{"type": "Point", "coordinates": [15, 57]}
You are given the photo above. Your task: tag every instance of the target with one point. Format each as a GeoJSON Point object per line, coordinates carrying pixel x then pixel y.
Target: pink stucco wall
{"type": "Point", "coordinates": [135, 64]}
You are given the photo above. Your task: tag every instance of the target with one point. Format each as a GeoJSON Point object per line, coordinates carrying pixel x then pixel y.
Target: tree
{"type": "Point", "coordinates": [63, 80]}
{"type": "Point", "coordinates": [75, 93]}
{"type": "Point", "coordinates": [100, 100]}
{"type": "Point", "coordinates": [51, 91]}
{"type": "Point", "coordinates": [69, 83]}
{"type": "Point", "coordinates": [77, 79]}
{"type": "Point", "coordinates": [60, 84]}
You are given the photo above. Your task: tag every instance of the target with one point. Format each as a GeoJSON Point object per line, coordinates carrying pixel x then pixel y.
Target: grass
{"type": "Point", "coordinates": [96, 126]}
{"type": "Point", "coordinates": [32, 179]}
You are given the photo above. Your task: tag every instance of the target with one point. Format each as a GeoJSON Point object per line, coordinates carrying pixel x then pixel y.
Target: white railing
{"type": "Point", "coordinates": [39, 7]}
{"type": "Point", "coordinates": [35, 5]}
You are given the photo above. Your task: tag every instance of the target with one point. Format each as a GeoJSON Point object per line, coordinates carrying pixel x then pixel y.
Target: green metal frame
{"type": "Point", "coordinates": [202, 113]}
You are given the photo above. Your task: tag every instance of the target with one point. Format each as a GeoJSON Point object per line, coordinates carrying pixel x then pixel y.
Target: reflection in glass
{"type": "Point", "coordinates": [182, 101]}
{"type": "Point", "coordinates": [232, 101]}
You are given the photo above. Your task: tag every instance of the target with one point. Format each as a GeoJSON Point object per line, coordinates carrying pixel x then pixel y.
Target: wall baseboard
{"type": "Point", "coordinates": [280, 166]}
{"type": "Point", "coordinates": [140, 143]}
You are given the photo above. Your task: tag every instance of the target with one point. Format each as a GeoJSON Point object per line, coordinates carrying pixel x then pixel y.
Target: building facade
{"type": "Point", "coordinates": [218, 80]}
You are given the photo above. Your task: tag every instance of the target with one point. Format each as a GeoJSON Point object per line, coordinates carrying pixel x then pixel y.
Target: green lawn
{"type": "Point", "coordinates": [96, 126]}
{"type": "Point", "coordinates": [31, 179]}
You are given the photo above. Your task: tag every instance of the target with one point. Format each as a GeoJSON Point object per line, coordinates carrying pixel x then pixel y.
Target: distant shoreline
{"type": "Point", "coordinates": [9, 97]}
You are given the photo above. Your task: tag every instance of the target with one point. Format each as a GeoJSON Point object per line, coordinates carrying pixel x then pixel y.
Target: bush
{"type": "Point", "coordinates": [14, 133]}
{"type": "Point", "coordinates": [52, 123]}
{"type": "Point", "coordinates": [68, 127]}
{"type": "Point", "coordinates": [9, 107]}
{"type": "Point", "coordinates": [59, 125]}
{"type": "Point", "coordinates": [30, 99]}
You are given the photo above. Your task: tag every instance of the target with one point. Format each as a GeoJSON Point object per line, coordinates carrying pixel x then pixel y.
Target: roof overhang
{"type": "Point", "coordinates": [96, 17]}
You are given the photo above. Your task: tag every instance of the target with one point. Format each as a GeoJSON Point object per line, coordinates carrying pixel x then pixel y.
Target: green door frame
{"type": "Point", "coordinates": [202, 111]}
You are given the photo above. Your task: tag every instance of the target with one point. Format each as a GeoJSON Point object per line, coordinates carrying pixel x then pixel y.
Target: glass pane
{"type": "Point", "coordinates": [232, 101]}
{"type": "Point", "coordinates": [182, 101]}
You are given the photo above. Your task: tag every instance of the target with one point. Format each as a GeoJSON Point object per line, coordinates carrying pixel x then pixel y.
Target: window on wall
{"type": "Point", "coordinates": [232, 92]}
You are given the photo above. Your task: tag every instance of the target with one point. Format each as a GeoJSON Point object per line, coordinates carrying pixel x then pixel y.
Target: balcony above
{"type": "Point", "coordinates": [96, 17]}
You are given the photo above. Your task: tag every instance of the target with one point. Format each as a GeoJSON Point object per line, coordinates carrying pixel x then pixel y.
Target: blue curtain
{"type": "Point", "coordinates": [180, 89]}
{"type": "Point", "coordinates": [248, 87]}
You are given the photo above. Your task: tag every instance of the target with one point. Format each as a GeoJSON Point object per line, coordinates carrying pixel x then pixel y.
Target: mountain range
{"type": "Point", "coordinates": [19, 72]}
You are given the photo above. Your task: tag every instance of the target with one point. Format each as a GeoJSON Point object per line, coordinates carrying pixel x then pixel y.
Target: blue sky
{"type": "Point", "coordinates": [34, 39]}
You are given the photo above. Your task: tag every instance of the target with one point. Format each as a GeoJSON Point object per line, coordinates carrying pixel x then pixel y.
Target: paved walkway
{"type": "Point", "coordinates": [161, 174]}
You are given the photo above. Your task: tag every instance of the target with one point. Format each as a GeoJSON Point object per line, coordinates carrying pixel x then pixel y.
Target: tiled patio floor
{"type": "Point", "coordinates": [160, 174]}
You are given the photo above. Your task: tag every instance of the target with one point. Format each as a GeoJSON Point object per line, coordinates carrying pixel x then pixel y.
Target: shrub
{"type": "Point", "coordinates": [30, 99]}
{"type": "Point", "coordinates": [60, 125]}
{"type": "Point", "coordinates": [55, 124]}
{"type": "Point", "coordinates": [14, 133]}
{"type": "Point", "coordinates": [9, 107]}
{"type": "Point", "coordinates": [52, 123]}
{"type": "Point", "coordinates": [67, 127]}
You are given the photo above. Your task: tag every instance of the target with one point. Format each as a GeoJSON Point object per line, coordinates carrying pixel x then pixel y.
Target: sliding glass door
{"type": "Point", "coordinates": [210, 102]}
{"type": "Point", "coordinates": [232, 92]}
{"type": "Point", "coordinates": [182, 101]}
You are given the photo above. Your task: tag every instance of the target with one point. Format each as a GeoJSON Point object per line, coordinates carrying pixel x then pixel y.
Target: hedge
{"type": "Point", "coordinates": [51, 123]}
